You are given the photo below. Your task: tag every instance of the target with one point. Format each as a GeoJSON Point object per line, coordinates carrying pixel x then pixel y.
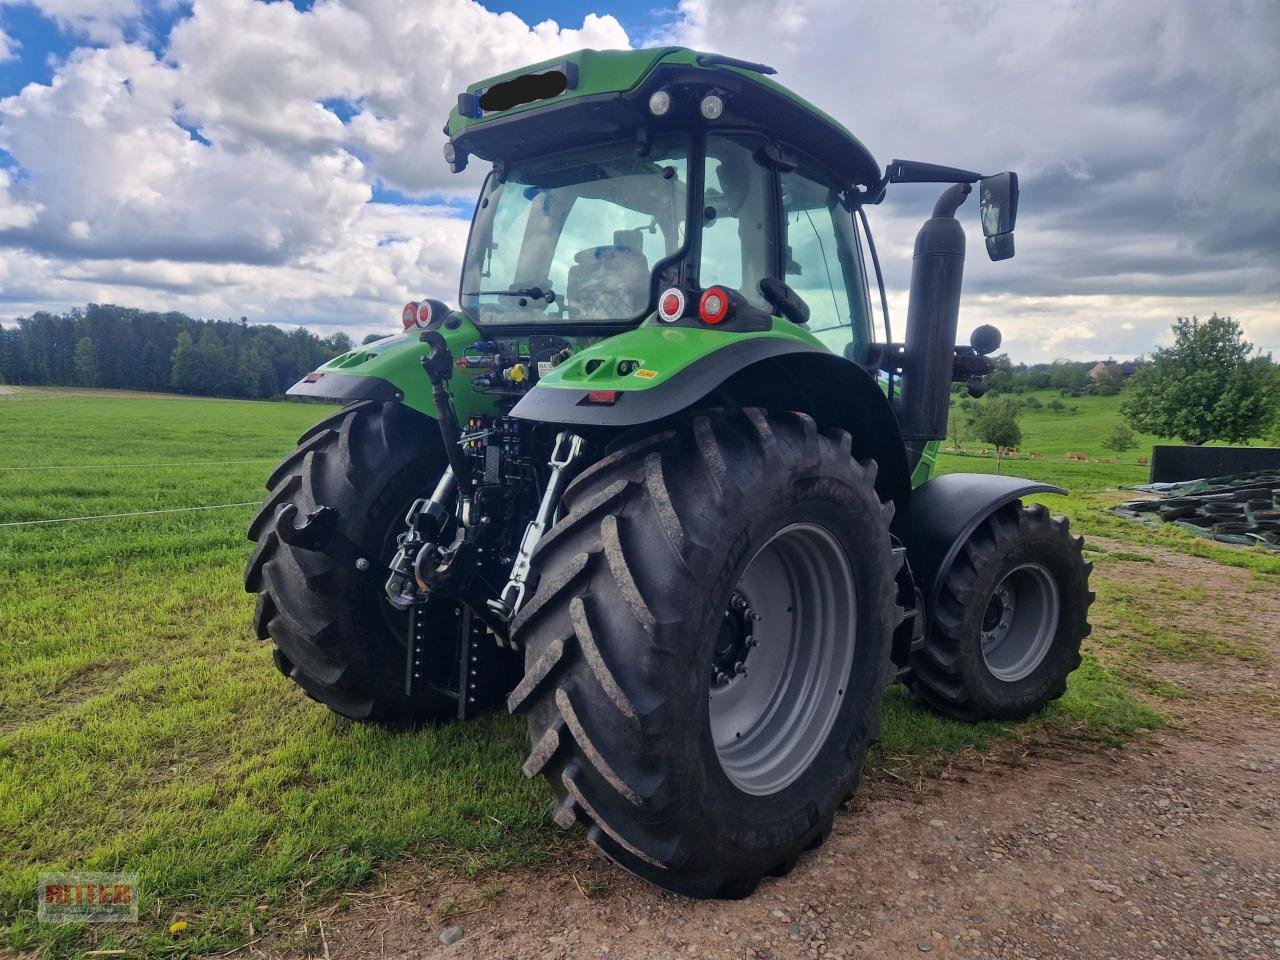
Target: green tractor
{"type": "Point", "coordinates": [655, 485]}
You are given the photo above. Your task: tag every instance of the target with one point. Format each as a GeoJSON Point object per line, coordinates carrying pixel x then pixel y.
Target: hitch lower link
{"type": "Point", "coordinates": [567, 450]}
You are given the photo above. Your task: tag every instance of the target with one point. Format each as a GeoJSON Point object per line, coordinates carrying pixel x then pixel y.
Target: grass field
{"type": "Point", "coordinates": [143, 728]}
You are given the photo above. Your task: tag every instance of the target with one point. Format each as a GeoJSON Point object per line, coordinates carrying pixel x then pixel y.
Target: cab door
{"type": "Point", "coordinates": [822, 260]}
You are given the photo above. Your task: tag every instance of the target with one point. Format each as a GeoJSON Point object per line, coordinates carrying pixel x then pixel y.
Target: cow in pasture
{"type": "Point", "coordinates": [1074, 455]}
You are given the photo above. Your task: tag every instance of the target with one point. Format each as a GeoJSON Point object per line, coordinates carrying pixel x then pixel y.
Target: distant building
{"type": "Point", "coordinates": [1103, 368]}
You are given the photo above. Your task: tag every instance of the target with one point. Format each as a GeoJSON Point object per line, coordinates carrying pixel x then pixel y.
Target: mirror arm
{"type": "Point", "coordinates": [913, 171]}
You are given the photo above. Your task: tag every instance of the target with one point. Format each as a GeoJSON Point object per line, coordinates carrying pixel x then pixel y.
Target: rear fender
{"type": "Point", "coordinates": [943, 514]}
{"type": "Point", "coordinates": [779, 372]}
{"type": "Point", "coordinates": [391, 370]}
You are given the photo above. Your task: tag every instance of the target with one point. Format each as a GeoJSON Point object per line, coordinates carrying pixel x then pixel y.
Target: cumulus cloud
{"type": "Point", "coordinates": [119, 177]}
{"type": "Point", "coordinates": [217, 176]}
{"type": "Point", "coordinates": [14, 214]}
{"type": "Point", "coordinates": [8, 47]}
{"type": "Point", "coordinates": [391, 254]}
{"type": "Point", "coordinates": [231, 167]}
{"type": "Point", "coordinates": [263, 73]}
{"type": "Point", "coordinates": [101, 21]}
{"type": "Point", "coordinates": [1144, 136]}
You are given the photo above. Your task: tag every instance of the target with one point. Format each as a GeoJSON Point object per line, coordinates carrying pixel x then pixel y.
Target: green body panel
{"type": "Point", "coordinates": [924, 469]}
{"type": "Point", "coordinates": [617, 71]}
{"type": "Point", "coordinates": [659, 351]}
{"type": "Point", "coordinates": [397, 360]}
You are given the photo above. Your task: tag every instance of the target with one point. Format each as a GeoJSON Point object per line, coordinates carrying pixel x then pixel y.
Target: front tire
{"type": "Point", "coordinates": [1010, 618]}
{"type": "Point", "coordinates": [668, 549]}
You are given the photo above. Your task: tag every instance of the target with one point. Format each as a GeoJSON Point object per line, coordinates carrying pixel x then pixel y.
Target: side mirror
{"type": "Point", "coordinates": [1001, 247]}
{"type": "Point", "coordinates": [998, 197]}
{"type": "Point", "coordinates": [998, 203]}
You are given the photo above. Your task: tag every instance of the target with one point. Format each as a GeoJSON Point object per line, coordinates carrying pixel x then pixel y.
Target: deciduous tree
{"type": "Point", "coordinates": [1210, 385]}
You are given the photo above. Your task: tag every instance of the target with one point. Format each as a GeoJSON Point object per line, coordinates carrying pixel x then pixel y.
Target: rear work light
{"type": "Point", "coordinates": [409, 315]}
{"type": "Point", "coordinates": [671, 304]}
{"type": "Point", "coordinates": [714, 305]}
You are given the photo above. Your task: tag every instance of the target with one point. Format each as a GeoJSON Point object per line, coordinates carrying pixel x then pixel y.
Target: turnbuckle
{"type": "Point", "coordinates": [567, 450]}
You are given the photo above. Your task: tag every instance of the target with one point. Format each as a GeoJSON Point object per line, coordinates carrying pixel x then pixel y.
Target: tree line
{"type": "Point", "coordinates": [129, 349]}
{"type": "Point", "coordinates": [1071, 378]}
{"type": "Point", "coordinates": [1212, 384]}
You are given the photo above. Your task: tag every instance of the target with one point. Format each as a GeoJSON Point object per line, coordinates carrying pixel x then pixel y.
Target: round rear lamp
{"type": "Point", "coordinates": [714, 305]}
{"type": "Point", "coordinates": [671, 304]}
{"type": "Point", "coordinates": [409, 315]}
{"type": "Point", "coordinates": [423, 315]}
{"type": "Point", "coordinates": [659, 103]}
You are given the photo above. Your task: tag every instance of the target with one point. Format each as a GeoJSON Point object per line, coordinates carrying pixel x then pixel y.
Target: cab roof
{"type": "Point", "coordinates": [592, 95]}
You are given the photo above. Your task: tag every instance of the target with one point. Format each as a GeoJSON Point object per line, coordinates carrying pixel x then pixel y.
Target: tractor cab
{"type": "Point", "coordinates": [705, 176]}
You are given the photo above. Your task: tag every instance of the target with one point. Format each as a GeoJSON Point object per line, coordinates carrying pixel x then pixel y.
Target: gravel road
{"type": "Point", "coordinates": [1049, 848]}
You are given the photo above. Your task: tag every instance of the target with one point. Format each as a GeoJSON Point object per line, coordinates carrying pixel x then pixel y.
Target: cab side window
{"type": "Point", "coordinates": [823, 262]}
{"type": "Point", "coordinates": [735, 218]}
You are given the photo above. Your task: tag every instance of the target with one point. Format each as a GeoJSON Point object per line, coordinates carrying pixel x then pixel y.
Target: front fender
{"type": "Point", "coordinates": [943, 514]}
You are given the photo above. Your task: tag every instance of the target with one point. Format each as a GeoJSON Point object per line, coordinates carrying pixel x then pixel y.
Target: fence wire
{"type": "Point", "coordinates": [113, 466]}
{"type": "Point", "coordinates": [132, 513]}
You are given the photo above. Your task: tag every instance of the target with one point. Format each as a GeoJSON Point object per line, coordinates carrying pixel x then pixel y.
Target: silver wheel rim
{"type": "Point", "coordinates": [1019, 622]}
{"type": "Point", "coordinates": [782, 659]}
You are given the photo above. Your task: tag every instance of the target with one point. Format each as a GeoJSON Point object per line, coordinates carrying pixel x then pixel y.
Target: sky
{"type": "Point", "coordinates": [281, 161]}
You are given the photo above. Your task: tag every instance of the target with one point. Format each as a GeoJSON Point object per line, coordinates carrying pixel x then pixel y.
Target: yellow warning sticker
{"type": "Point", "coordinates": [646, 374]}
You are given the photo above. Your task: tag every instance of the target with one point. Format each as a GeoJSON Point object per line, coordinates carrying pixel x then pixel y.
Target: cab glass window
{"type": "Point", "coordinates": [575, 238]}
{"type": "Point", "coordinates": [735, 217]}
{"type": "Point", "coordinates": [823, 262]}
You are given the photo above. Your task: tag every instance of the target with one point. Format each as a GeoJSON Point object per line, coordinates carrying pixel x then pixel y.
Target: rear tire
{"type": "Point", "coordinates": [636, 586]}
{"type": "Point", "coordinates": [1010, 618]}
{"type": "Point", "coordinates": [335, 635]}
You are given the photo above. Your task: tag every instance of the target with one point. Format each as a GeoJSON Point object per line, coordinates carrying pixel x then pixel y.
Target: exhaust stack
{"type": "Point", "coordinates": [933, 315]}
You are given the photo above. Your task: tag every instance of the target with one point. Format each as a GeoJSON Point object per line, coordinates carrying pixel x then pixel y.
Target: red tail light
{"type": "Point", "coordinates": [409, 315]}
{"type": "Point", "coordinates": [423, 314]}
{"type": "Point", "coordinates": [602, 398]}
{"type": "Point", "coordinates": [671, 304]}
{"type": "Point", "coordinates": [714, 305]}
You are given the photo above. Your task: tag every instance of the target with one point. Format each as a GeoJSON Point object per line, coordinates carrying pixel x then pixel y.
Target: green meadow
{"type": "Point", "coordinates": [143, 727]}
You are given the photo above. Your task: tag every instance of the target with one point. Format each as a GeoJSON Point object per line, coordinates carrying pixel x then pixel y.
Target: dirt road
{"type": "Point", "coordinates": [1051, 849]}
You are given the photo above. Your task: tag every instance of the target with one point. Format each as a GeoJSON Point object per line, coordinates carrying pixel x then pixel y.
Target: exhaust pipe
{"type": "Point", "coordinates": [933, 314]}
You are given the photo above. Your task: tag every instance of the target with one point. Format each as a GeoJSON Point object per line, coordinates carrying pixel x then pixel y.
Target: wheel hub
{"type": "Point", "coordinates": [734, 643]}
{"type": "Point", "coordinates": [1019, 622]}
{"type": "Point", "coordinates": [998, 615]}
{"type": "Point", "coordinates": [782, 657]}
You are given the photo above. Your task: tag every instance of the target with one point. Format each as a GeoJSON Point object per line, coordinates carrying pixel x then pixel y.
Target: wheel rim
{"type": "Point", "coordinates": [782, 659]}
{"type": "Point", "coordinates": [1019, 622]}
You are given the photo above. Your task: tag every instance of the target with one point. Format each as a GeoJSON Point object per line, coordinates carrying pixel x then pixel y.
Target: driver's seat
{"type": "Point", "coordinates": [608, 283]}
